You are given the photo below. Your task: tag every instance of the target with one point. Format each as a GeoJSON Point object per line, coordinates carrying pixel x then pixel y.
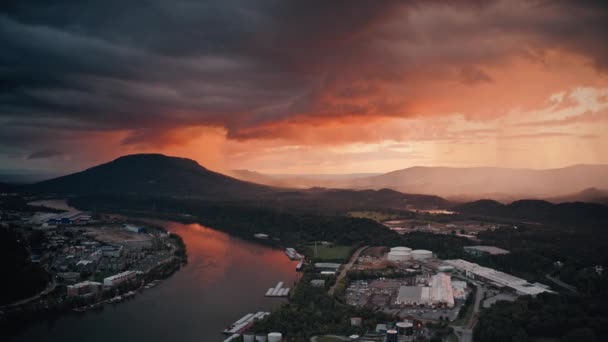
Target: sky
{"type": "Point", "coordinates": [304, 86]}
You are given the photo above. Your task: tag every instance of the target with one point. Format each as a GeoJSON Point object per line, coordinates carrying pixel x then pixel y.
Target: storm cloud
{"type": "Point", "coordinates": [71, 69]}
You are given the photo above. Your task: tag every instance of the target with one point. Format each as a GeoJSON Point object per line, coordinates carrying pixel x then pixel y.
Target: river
{"type": "Point", "coordinates": [225, 278]}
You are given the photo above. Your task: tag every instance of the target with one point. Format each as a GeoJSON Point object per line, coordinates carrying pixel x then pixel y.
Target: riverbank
{"type": "Point", "coordinates": [225, 278]}
{"type": "Point", "coordinates": [80, 257]}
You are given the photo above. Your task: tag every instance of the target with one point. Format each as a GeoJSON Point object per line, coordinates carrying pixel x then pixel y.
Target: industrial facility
{"type": "Point", "coordinates": [496, 278]}
{"type": "Point", "coordinates": [439, 293]}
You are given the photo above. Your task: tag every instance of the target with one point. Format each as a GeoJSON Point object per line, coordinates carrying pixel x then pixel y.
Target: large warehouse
{"type": "Point", "coordinates": [439, 292]}
{"type": "Point", "coordinates": [497, 278]}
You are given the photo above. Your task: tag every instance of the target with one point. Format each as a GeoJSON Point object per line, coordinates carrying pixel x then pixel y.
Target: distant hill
{"type": "Point", "coordinates": [591, 195]}
{"type": "Point", "coordinates": [299, 181]}
{"type": "Point", "coordinates": [489, 182]}
{"type": "Point", "coordinates": [538, 211]}
{"type": "Point", "coordinates": [457, 184]}
{"type": "Point", "coordinates": [159, 175]}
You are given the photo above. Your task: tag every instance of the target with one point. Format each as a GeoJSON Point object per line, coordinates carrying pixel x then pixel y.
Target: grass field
{"type": "Point", "coordinates": [373, 215]}
{"type": "Point", "coordinates": [329, 252]}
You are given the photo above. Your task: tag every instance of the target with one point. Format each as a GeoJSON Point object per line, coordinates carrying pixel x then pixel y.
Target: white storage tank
{"type": "Point", "coordinates": [421, 254]}
{"type": "Point", "coordinates": [260, 338]}
{"type": "Point", "coordinates": [391, 336]}
{"type": "Point", "coordinates": [275, 337]}
{"type": "Point", "coordinates": [398, 256]}
{"type": "Point", "coordinates": [249, 338]}
{"type": "Point", "coordinates": [401, 249]}
{"type": "Point", "coordinates": [404, 328]}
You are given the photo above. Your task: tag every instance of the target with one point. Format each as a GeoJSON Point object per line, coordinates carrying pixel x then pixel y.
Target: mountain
{"type": "Point", "coordinates": [152, 174]}
{"type": "Point", "coordinates": [591, 195]}
{"type": "Point", "coordinates": [159, 175]}
{"type": "Point", "coordinates": [299, 181]}
{"type": "Point", "coordinates": [539, 211]}
{"type": "Point", "coordinates": [488, 182]}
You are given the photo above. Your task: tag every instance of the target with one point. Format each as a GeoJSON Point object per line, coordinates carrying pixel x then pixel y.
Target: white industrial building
{"type": "Point", "coordinates": [439, 292]}
{"type": "Point", "coordinates": [497, 278]}
{"type": "Point", "coordinates": [119, 278]}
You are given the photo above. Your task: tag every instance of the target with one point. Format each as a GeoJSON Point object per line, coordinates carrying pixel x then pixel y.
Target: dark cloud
{"type": "Point", "coordinates": [74, 67]}
{"type": "Point", "coordinates": [47, 153]}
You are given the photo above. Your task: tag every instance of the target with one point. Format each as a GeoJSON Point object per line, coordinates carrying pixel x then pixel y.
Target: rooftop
{"type": "Point", "coordinates": [488, 249]}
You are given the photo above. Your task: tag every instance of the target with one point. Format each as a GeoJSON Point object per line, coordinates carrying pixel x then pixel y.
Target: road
{"type": "Point", "coordinates": [346, 268]}
{"type": "Point", "coordinates": [50, 287]}
{"type": "Point", "coordinates": [557, 281]}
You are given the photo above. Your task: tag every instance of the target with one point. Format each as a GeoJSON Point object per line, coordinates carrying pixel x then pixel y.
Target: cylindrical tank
{"type": "Point", "coordinates": [421, 254]}
{"type": "Point", "coordinates": [398, 256]}
{"type": "Point", "coordinates": [391, 336]}
{"type": "Point", "coordinates": [402, 327]}
{"type": "Point", "coordinates": [355, 321]}
{"type": "Point", "coordinates": [275, 337]}
{"type": "Point", "coordinates": [248, 338]}
{"type": "Point", "coordinates": [260, 338]}
{"type": "Point", "coordinates": [401, 249]}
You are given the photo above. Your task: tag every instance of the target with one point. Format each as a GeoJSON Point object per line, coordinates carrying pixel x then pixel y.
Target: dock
{"type": "Point", "coordinates": [278, 291]}
{"type": "Point", "coordinates": [293, 254]}
{"type": "Point", "coordinates": [243, 324]}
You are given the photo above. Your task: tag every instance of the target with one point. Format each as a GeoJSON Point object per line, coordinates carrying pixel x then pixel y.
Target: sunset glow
{"type": "Point", "coordinates": [307, 87]}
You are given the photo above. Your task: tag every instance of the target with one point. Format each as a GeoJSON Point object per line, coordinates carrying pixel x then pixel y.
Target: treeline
{"type": "Point", "coordinates": [23, 278]}
{"type": "Point", "coordinates": [535, 251]}
{"type": "Point", "coordinates": [539, 211]}
{"type": "Point", "coordinates": [563, 317]}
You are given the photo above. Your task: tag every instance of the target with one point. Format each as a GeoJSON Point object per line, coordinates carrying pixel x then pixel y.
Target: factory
{"type": "Point", "coordinates": [119, 278]}
{"type": "Point", "coordinates": [496, 278]}
{"type": "Point", "coordinates": [485, 250]}
{"type": "Point", "coordinates": [439, 293]}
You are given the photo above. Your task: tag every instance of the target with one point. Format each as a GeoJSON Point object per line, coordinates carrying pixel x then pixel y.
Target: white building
{"type": "Point", "coordinates": [119, 278]}
{"type": "Point", "coordinates": [497, 278]}
{"type": "Point", "coordinates": [439, 292]}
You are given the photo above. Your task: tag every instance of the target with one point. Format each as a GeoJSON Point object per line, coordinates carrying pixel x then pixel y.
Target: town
{"type": "Point", "coordinates": [91, 260]}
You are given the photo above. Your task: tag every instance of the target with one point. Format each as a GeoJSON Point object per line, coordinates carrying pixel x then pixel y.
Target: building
{"type": "Point", "coordinates": [438, 293]}
{"type": "Point", "coordinates": [485, 250]}
{"type": "Point", "coordinates": [327, 266]}
{"type": "Point", "coordinates": [83, 288]}
{"type": "Point", "coordinates": [497, 278]}
{"type": "Point", "coordinates": [119, 278]}
{"type": "Point", "coordinates": [317, 282]}
{"type": "Point", "coordinates": [135, 229]}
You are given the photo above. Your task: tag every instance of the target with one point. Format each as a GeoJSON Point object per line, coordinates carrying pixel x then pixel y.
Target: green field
{"type": "Point", "coordinates": [373, 215]}
{"type": "Point", "coordinates": [336, 252]}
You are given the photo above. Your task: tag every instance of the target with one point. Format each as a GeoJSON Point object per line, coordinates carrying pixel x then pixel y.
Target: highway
{"type": "Point", "coordinates": [346, 268]}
